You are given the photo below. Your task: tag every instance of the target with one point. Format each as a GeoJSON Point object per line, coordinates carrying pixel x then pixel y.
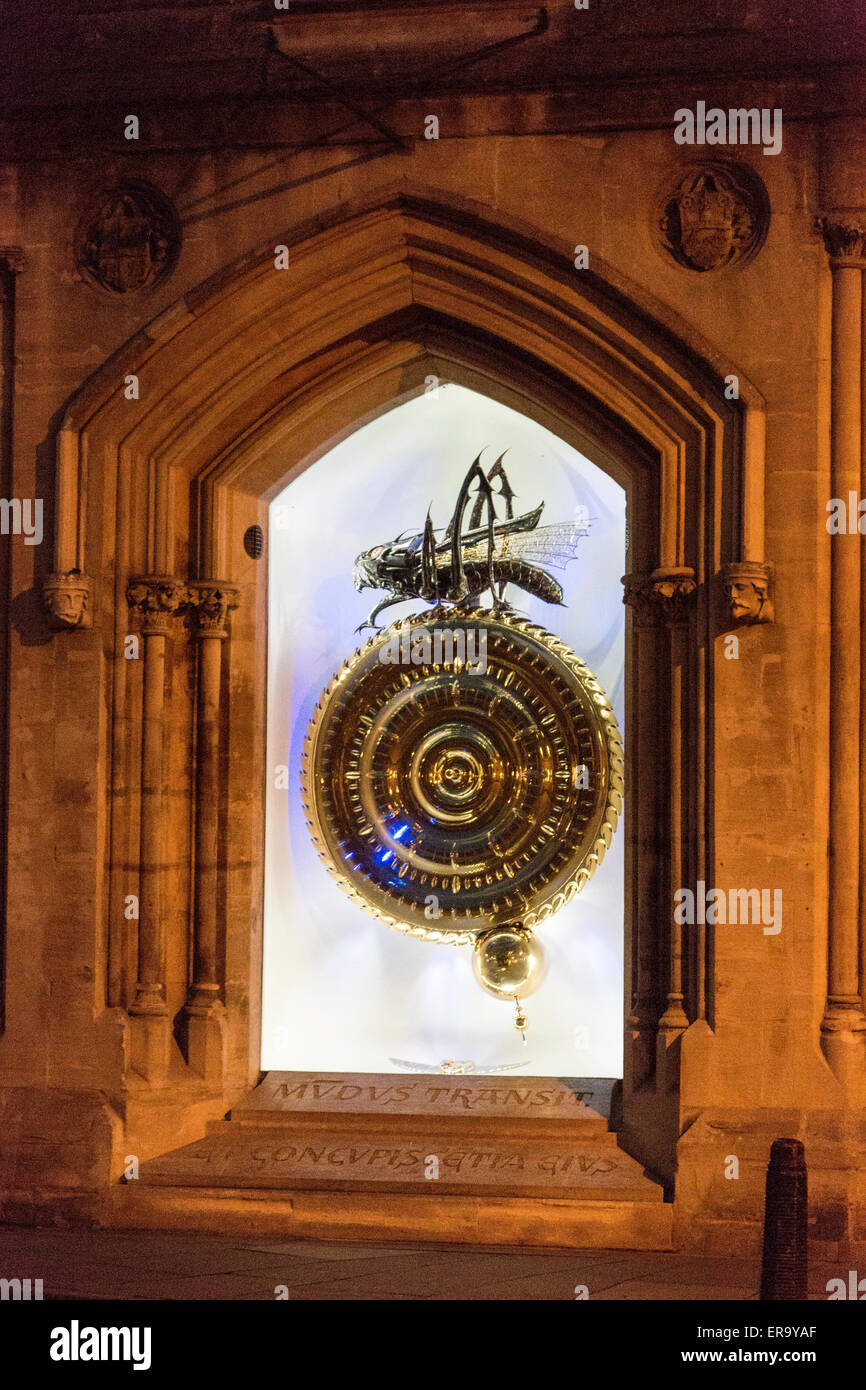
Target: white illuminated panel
{"type": "Point", "coordinates": [342, 991]}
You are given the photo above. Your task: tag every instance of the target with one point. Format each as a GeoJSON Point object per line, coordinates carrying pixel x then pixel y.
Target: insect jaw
{"type": "Point", "coordinates": [365, 570]}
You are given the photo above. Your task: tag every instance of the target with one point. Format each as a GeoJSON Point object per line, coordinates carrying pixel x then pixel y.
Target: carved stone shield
{"type": "Point", "coordinates": [716, 215]}
{"type": "Point", "coordinates": [129, 241]}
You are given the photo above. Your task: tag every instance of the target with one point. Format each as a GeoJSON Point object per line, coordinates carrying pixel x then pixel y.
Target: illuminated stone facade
{"type": "Point", "coordinates": [299, 227]}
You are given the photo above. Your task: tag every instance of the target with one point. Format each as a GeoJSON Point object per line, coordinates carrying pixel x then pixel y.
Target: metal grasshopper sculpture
{"type": "Point", "coordinates": [490, 554]}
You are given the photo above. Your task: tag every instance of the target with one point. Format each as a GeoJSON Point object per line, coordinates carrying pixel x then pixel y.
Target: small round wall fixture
{"type": "Point", "coordinates": [254, 541]}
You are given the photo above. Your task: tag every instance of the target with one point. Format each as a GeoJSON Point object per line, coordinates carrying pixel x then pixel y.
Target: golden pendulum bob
{"type": "Point", "coordinates": [510, 963]}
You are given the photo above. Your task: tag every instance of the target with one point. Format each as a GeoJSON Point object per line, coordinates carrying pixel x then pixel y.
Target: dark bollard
{"type": "Point", "coordinates": [785, 1267]}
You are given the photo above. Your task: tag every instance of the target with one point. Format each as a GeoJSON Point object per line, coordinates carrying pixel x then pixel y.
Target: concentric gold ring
{"type": "Point", "coordinates": [448, 796]}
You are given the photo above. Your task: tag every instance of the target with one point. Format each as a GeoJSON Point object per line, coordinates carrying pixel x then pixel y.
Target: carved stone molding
{"type": "Point", "coordinates": [748, 589]}
{"type": "Point", "coordinates": [211, 601]}
{"type": "Point", "coordinates": [156, 600]}
{"type": "Point", "coordinates": [845, 242]}
{"type": "Point", "coordinates": [716, 215]}
{"type": "Point", "coordinates": [68, 598]}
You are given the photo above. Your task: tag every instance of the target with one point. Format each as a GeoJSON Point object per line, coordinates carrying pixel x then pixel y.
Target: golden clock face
{"type": "Point", "coordinates": [462, 770]}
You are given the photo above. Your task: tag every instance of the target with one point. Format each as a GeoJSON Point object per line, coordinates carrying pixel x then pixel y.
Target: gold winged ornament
{"type": "Point", "coordinates": [462, 772]}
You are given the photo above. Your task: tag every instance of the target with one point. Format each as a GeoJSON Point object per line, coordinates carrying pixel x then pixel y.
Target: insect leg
{"type": "Point", "coordinates": [428, 589]}
{"type": "Point", "coordinates": [458, 573]}
{"type": "Point", "coordinates": [380, 608]}
{"type": "Point", "coordinates": [497, 471]}
{"type": "Point", "coordinates": [506, 490]}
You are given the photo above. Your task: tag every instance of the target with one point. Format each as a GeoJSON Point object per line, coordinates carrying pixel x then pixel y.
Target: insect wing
{"type": "Point", "coordinates": [526, 522]}
{"type": "Point", "coordinates": [552, 546]}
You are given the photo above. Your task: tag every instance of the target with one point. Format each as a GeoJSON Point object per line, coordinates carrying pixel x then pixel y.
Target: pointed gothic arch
{"type": "Point", "coordinates": [242, 384]}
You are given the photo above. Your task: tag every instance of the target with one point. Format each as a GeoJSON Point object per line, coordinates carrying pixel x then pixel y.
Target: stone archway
{"type": "Point", "coordinates": [240, 386]}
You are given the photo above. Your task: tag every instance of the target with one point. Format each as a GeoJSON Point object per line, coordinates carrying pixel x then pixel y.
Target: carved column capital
{"type": "Point", "coordinates": [211, 601]}
{"type": "Point", "coordinates": [155, 600]}
{"type": "Point", "coordinates": [748, 590]}
{"type": "Point", "coordinates": [844, 240]}
{"type": "Point", "coordinates": [68, 596]}
{"type": "Point", "coordinates": [673, 589]}
{"type": "Point", "coordinates": [663, 594]}
{"type": "Point", "coordinates": [638, 592]}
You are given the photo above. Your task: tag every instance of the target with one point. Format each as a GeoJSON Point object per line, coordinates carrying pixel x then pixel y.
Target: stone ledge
{"type": "Point", "coordinates": [368, 1217]}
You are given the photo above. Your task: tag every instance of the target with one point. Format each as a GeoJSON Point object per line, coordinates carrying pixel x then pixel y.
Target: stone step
{"type": "Point", "coordinates": [421, 1128]}
{"type": "Point", "coordinates": [517, 1161]}
{"type": "Point", "coordinates": [493, 1104]}
{"type": "Point", "coordinates": [240, 1156]}
{"type": "Point", "coordinates": [380, 1216]}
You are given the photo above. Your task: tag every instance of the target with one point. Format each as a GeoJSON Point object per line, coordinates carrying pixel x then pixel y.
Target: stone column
{"type": "Point", "coordinates": [154, 600]}
{"type": "Point", "coordinates": [673, 589]}
{"type": "Point", "coordinates": [643, 817]}
{"type": "Point", "coordinates": [212, 601]}
{"type": "Point", "coordinates": [68, 592]}
{"type": "Point", "coordinates": [843, 1029]}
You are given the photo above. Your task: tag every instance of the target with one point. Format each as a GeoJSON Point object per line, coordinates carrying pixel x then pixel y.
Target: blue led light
{"type": "Point", "coordinates": [385, 855]}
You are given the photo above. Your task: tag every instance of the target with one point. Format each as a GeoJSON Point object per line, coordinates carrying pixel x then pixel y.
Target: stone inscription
{"type": "Point", "coordinates": [538, 1097]}
{"type": "Point", "coordinates": [411, 1161]}
{"type": "Point", "coordinates": [418, 1092]}
{"type": "Point", "coordinates": [262, 1160]}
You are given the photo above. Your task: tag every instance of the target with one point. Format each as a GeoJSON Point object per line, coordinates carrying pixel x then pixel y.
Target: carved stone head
{"type": "Point", "coordinates": [747, 586]}
{"type": "Point", "coordinates": [744, 598]}
{"type": "Point", "coordinates": [706, 214]}
{"type": "Point", "coordinates": [67, 598]}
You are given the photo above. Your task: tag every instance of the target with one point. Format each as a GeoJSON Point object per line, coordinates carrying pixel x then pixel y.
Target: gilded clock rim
{"type": "Point", "coordinates": [604, 726]}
